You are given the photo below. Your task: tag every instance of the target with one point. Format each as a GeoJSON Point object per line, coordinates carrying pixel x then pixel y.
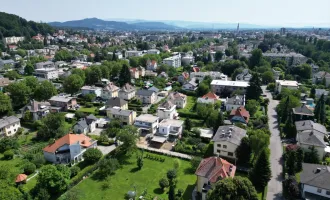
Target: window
{"type": "Point", "coordinates": [224, 146]}
{"type": "Point", "coordinates": [218, 151]}
{"type": "Point", "coordinates": [219, 145]}
{"type": "Point", "coordinates": [230, 154]}
{"type": "Point", "coordinates": [319, 190]}
{"type": "Point", "coordinates": [327, 192]}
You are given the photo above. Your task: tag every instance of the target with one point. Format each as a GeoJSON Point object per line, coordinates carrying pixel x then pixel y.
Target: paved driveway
{"type": "Point", "coordinates": [276, 151]}
{"type": "Point", "coordinates": [106, 149]}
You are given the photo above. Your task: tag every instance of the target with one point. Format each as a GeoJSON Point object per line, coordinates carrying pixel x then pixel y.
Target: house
{"type": "Point", "coordinates": [314, 180]}
{"type": "Point", "coordinates": [69, 148]}
{"type": "Point", "coordinates": [218, 86]}
{"type": "Point", "coordinates": [208, 98]}
{"type": "Point", "coordinates": [235, 102]}
{"type": "Point", "coordinates": [214, 75]}
{"type": "Point", "coordinates": [302, 112]}
{"type": "Point", "coordinates": [129, 54]}
{"type": "Point", "coordinates": [170, 127]}
{"type": "Point", "coordinates": [190, 86]}
{"type": "Point", "coordinates": [127, 117]}
{"type": "Point", "coordinates": [183, 77]}
{"type": "Point", "coordinates": [310, 125]}
{"type": "Point", "coordinates": [276, 74]}
{"type": "Point", "coordinates": [167, 110]}
{"type": "Point", "coordinates": [174, 61]}
{"type": "Point", "coordinates": [97, 91]}
{"type": "Point", "coordinates": [321, 76]}
{"type": "Point", "coordinates": [315, 68]}
{"type": "Point", "coordinates": [240, 115]}
{"type": "Point", "coordinates": [47, 73]}
{"type": "Point", "coordinates": [134, 73]}
{"type": "Point", "coordinates": [180, 100]}
{"type": "Point", "coordinates": [12, 40]}
{"type": "Point", "coordinates": [4, 82]}
{"type": "Point", "coordinates": [9, 126]}
{"type": "Point", "coordinates": [210, 171]}
{"type": "Point", "coordinates": [117, 102]}
{"type": "Point", "coordinates": [244, 76]}
{"type": "Point", "coordinates": [37, 110]}
{"type": "Point", "coordinates": [146, 96]}
{"type": "Point", "coordinates": [319, 92]}
{"type": "Point", "coordinates": [153, 88]}
{"type": "Point", "coordinates": [86, 125]}
{"type": "Point", "coordinates": [9, 63]}
{"type": "Point", "coordinates": [153, 51]}
{"type": "Point", "coordinates": [127, 92]}
{"type": "Point", "coordinates": [147, 123]}
{"type": "Point", "coordinates": [226, 140]}
{"type": "Point", "coordinates": [152, 65]}
{"type": "Point", "coordinates": [279, 84]}
{"type": "Point", "coordinates": [45, 65]}
{"type": "Point", "coordinates": [109, 91]}
{"type": "Point", "coordinates": [150, 73]}
{"type": "Point", "coordinates": [163, 75]}
{"type": "Point", "coordinates": [63, 102]}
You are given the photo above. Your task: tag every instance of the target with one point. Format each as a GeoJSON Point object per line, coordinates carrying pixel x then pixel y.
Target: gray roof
{"type": "Point", "coordinates": [115, 101]}
{"type": "Point", "coordinates": [145, 92]}
{"type": "Point", "coordinates": [236, 100]}
{"type": "Point", "coordinates": [147, 118]}
{"type": "Point", "coordinates": [82, 123]}
{"type": "Point", "coordinates": [310, 125]}
{"type": "Point", "coordinates": [166, 104]}
{"type": "Point", "coordinates": [127, 88]}
{"type": "Point", "coordinates": [153, 88]}
{"type": "Point", "coordinates": [319, 92]}
{"type": "Point", "coordinates": [10, 61]}
{"type": "Point", "coordinates": [302, 110]}
{"type": "Point", "coordinates": [8, 121]}
{"type": "Point", "coordinates": [118, 111]}
{"type": "Point", "coordinates": [92, 117]}
{"type": "Point", "coordinates": [312, 138]}
{"type": "Point", "coordinates": [315, 175]}
{"type": "Point", "coordinates": [232, 134]}
{"type": "Point", "coordinates": [61, 98]}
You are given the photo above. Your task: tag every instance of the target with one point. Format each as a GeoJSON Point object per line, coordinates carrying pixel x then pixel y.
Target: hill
{"type": "Point", "coordinates": [13, 25]}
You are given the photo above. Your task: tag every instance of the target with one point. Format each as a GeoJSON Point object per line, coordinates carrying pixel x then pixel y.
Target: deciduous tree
{"type": "Point", "coordinates": [73, 83]}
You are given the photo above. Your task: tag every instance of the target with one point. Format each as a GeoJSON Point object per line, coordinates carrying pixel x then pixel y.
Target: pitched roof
{"type": "Point", "coordinates": [153, 88]}
{"type": "Point", "coordinates": [20, 178]}
{"type": "Point", "coordinates": [116, 102]}
{"type": "Point", "coordinates": [121, 112]}
{"type": "Point", "coordinates": [315, 175]}
{"type": "Point", "coordinates": [302, 110]}
{"type": "Point", "coordinates": [241, 111]}
{"type": "Point", "coordinates": [69, 139]}
{"type": "Point", "coordinates": [5, 121]}
{"type": "Point", "coordinates": [310, 125]}
{"type": "Point", "coordinates": [176, 95]}
{"type": "Point", "coordinates": [211, 95]}
{"type": "Point", "coordinates": [127, 88]}
{"type": "Point", "coordinates": [185, 75]}
{"type": "Point", "coordinates": [145, 92]}
{"type": "Point", "coordinates": [236, 100]}
{"type": "Point", "coordinates": [312, 138]}
{"type": "Point", "coordinates": [215, 168]}
{"type": "Point", "coordinates": [232, 134]}
{"type": "Point", "coordinates": [111, 87]}
{"type": "Point", "coordinates": [166, 104]}
{"type": "Point", "coordinates": [195, 69]}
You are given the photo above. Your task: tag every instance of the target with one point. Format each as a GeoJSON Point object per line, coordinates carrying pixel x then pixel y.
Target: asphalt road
{"type": "Point", "coordinates": [276, 151]}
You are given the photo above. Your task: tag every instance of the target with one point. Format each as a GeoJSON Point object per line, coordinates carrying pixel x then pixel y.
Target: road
{"type": "Point", "coordinates": [276, 151]}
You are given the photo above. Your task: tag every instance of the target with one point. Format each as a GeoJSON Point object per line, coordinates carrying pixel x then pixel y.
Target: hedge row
{"type": "Point", "coordinates": [189, 93]}
{"type": "Point", "coordinates": [189, 115]}
{"type": "Point", "coordinates": [79, 177]}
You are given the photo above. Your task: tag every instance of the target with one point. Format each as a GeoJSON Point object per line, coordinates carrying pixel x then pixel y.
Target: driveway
{"type": "Point", "coordinates": [276, 151]}
{"type": "Point", "coordinates": [106, 149]}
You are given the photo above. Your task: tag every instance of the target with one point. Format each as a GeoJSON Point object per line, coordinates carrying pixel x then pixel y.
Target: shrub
{"type": "Point", "coordinates": [29, 168]}
{"type": "Point", "coordinates": [79, 114]}
{"type": "Point", "coordinates": [176, 164]}
{"type": "Point", "coordinates": [89, 105]}
{"type": "Point", "coordinates": [92, 155]}
{"type": "Point", "coordinates": [8, 155]}
{"type": "Point", "coordinates": [74, 171]}
{"type": "Point", "coordinates": [39, 160]}
{"type": "Point", "coordinates": [163, 183]}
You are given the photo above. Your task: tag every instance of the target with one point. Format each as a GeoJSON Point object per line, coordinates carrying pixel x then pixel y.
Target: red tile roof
{"type": "Point", "coordinates": [185, 75]}
{"type": "Point", "coordinates": [69, 139]}
{"type": "Point", "coordinates": [211, 95]}
{"type": "Point", "coordinates": [241, 111]}
{"type": "Point", "coordinates": [20, 178]}
{"type": "Point", "coordinates": [215, 168]}
{"type": "Point", "coordinates": [196, 69]}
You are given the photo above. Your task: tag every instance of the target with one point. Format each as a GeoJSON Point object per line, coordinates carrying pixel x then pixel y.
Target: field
{"type": "Point", "coordinates": [128, 177]}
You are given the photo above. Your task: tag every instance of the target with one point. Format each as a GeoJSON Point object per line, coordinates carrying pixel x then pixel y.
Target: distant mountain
{"type": "Point", "coordinates": [13, 25]}
{"type": "Point", "coordinates": [95, 23]}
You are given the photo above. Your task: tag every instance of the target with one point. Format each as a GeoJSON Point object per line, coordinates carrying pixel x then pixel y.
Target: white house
{"type": "Point", "coordinates": [167, 110]}
{"type": "Point", "coordinates": [244, 76]}
{"type": "Point", "coordinates": [9, 126]}
{"type": "Point", "coordinates": [127, 92]}
{"type": "Point", "coordinates": [174, 61]}
{"type": "Point", "coordinates": [293, 85]}
{"type": "Point", "coordinates": [97, 91]}
{"type": "Point", "coordinates": [129, 54]}
{"type": "Point", "coordinates": [147, 122]}
{"type": "Point", "coordinates": [47, 73]}
{"type": "Point", "coordinates": [153, 51]}
{"type": "Point", "coordinates": [226, 140]}
{"type": "Point", "coordinates": [110, 91]}
{"type": "Point", "coordinates": [180, 100]}
{"type": "Point", "coordinates": [170, 127]}
{"type": "Point", "coordinates": [214, 75]}
{"type": "Point", "coordinates": [314, 180]}
{"type": "Point", "coordinates": [217, 86]}
{"type": "Point", "coordinates": [190, 86]}
{"type": "Point", "coordinates": [86, 125]}
{"type": "Point", "coordinates": [235, 102]}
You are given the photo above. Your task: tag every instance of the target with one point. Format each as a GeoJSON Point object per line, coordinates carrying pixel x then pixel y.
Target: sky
{"type": "Point", "coordinates": [260, 12]}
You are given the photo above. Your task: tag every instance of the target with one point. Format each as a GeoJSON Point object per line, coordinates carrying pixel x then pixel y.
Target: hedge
{"type": "Point", "coordinates": [79, 177]}
{"type": "Point", "coordinates": [189, 93]}
{"type": "Point", "coordinates": [189, 115]}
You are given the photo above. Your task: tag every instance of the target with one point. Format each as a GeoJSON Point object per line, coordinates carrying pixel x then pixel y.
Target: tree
{"type": "Point", "coordinates": [218, 55]}
{"type": "Point", "coordinates": [233, 188]}
{"type": "Point", "coordinates": [139, 161]}
{"type": "Point", "coordinates": [291, 162]}
{"type": "Point", "coordinates": [108, 166]}
{"type": "Point", "coordinates": [8, 143]}
{"type": "Point", "coordinates": [187, 124]}
{"type": "Point", "coordinates": [52, 126]}
{"type": "Point", "coordinates": [202, 89]}
{"type": "Point", "coordinates": [171, 192]}
{"type": "Point", "coordinates": [74, 170]}
{"type": "Point", "coordinates": [291, 188]}
{"type": "Point", "coordinates": [73, 83]}
{"type": "Point", "coordinates": [300, 159]}
{"type": "Point", "coordinates": [79, 72]}
{"type": "Point", "coordinates": [267, 77]}
{"type": "Point", "coordinates": [45, 91]}
{"type": "Point", "coordinates": [285, 107]}
{"type": "Point", "coordinates": [312, 156]}
{"type": "Point", "coordinates": [28, 69]}
{"type": "Point", "coordinates": [319, 111]}
{"type": "Point", "coordinates": [312, 93]}
{"type": "Point", "coordinates": [243, 152]}
{"type": "Point", "coordinates": [5, 105]}
{"type": "Point", "coordinates": [128, 136]}
{"type": "Point", "coordinates": [163, 183]}
{"type": "Point", "coordinates": [255, 58]}
{"type": "Point", "coordinates": [194, 162]}
{"type": "Point", "coordinates": [65, 170]}
{"type": "Point", "coordinates": [9, 192]}
{"type": "Point", "coordinates": [124, 76]}
{"type": "Point", "coordinates": [261, 172]}
{"type": "Point", "coordinates": [92, 155]}
{"type": "Point", "coordinates": [29, 168]}
{"type": "Point", "coordinates": [32, 83]}
{"type": "Point", "coordinates": [12, 75]}
{"type": "Point", "coordinates": [52, 180]}
{"type": "Point", "coordinates": [254, 90]}
{"type": "Point", "coordinates": [252, 106]}
{"type": "Point", "coordinates": [8, 155]}
{"type": "Point", "coordinates": [19, 94]}
{"type": "Point", "coordinates": [289, 128]}
{"type": "Point", "coordinates": [212, 120]}
{"type": "Point", "coordinates": [114, 57]}
{"type": "Point", "coordinates": [258, 141]}
{"type": "Point", "coordinates": [171, 175]}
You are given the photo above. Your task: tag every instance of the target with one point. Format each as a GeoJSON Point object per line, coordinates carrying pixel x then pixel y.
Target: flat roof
{"type": "Point", "coordinates": [171, 122]}
{"type": "Point", "coordinates": [287, 83]}
{"type": "Point", "coordinates": [230, 83]}
{"type": "Point", "coordinates": [158, 139]}
{"type": "Point", "coordinates": [206, 133]}
{"type": "Point", "coordinates": [147, 118]}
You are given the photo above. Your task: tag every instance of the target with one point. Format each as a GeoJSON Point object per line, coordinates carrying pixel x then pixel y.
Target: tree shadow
{"type": "Point", "coordinates": [135, 169]}
{"type": "Point", "coordinates": [188, 192]}
{"type": "Point", "coordinates": [188, 170]}
{"type": "Point", "coordinates": [158, 191]}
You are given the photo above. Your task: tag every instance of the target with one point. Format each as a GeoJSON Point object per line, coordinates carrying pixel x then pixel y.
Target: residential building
{"type": "Point", "coordinates": [235, 102]}
{"type": "Point", "coordinates": [134, 73]}
{"type": "Point", "coordinates": [208, 98]}
{"type": "Point", "coordinates": [69, 148]}
{"type": "Point", "coordinates": [46, 73]}
{"type": "Point", "coordinates": [210, 171]}
{"type": "Point", "coordinates": [4, 82]}
{"type": "Point", "coordinates": [153, 51]}
{"type": "Point", "coordinates": [187, 60]}
{"type": "Point", "coordinates": [129, 54]}
{"type": "Point", "coordinates": [86, 125]}
{"type": "Point", "coordinates": [240, 115]}
{"type": "Point", "coordinates": [163, 75]}
{"type": "Point", "coordinates": [38, 110]}
{"type": "Point", "coordinates": [153, 88]}
{"type": "Point", "coordinates": [127, 92]}
{"type": "Point", "coordinates": [97, 91]}
{"type": "Point", "coordinates": [170, 127]}
{"type": "Point", "coordinates": [146, 96]}
{"type": "Point", "coordinates": [183, 78]}
{"type": "Point", "coordinates": [321, 76]}
{"type": "Point", "coordinates": [9, 63]}
{"type": "Point", "coordinates": [302, 113]}
{"type": "Point", "coordinates": [179, 99]}
{"type": "Point", "coordinates": [314, 180]}
{"type": "Point", "coordinates": [117, 102]}
{"type": "Point", "coordinates": [244, 76]}
{"type": "Point", "coordinates": [127, 117]}
{"type": "Point", "coordinates": [9, 126]}
{"type": "Point", "coordinates": [226, 140]}
{"type": "Point", "coordinates": [109, 91]}
{"type": "Point", "coordinates": [214, 75]}
{"type": "Point", "coordinates": [150, 73]}
{"type": "Point", "coordinates": [147, 122]}
{"type": "Point", "coordinates": [167, 110]}
{"type": "Point", "coordinates": [174, 61]}
{"type": "Point", "coordinates": [292, 85]}
{"type": "Point", "coordinates": [190, 86]}
{"type": "Point", "coordinates": [315, 68]}
{"type": "Point", "coordinates": [12, 40]}
{"type": "Point", "coordinates": [44, 65]}
{"type": "Point", "coordinates": [218, 86]}
{"type": "Point", "coordinates": [152, 65]}
{"type": "Point", "coordinates": [63, 102]}
{"type": "Point", "coordinates": [319, 92]}
{"type": "Point", "coordinates": [291, 58]}
{"type": "Point", "coordinates": [276, 74]}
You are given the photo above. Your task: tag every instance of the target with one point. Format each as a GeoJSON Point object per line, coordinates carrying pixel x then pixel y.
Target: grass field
{"type": "Point", "coordinates": [88, 110]}
{"type": "Point", "coordinates": [191, 101]}
{"type": "Point", "coordinates": [148, 177]}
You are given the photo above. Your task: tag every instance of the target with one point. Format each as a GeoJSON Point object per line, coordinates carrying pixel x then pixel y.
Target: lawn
{"type": "Point", "coordinates": [88, 110]}
{"type": "Point", "coordinates": [191, 101]}
{"type": "Point", "coordinates": [13, 165]}
{"type": "Point", "coordinates": [147, 178]}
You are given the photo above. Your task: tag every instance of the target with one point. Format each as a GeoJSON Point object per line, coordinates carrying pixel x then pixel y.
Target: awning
{"type": "Point", "coordinates": [158, 139]}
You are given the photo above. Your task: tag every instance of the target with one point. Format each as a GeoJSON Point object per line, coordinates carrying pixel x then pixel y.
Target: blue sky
{"type": "Point", "coordinates": [262, 12]}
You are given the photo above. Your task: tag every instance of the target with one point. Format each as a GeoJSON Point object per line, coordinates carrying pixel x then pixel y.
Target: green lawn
{"type": "Point", "coordinates": [13, 165]}
{"type": "Point", "coordinates": [87, 110]}
{"type": "Point", "coordinates": [146, 178]}
{"type": "Point", "coordinates": [191, 101]}
{"type": "Point", "coordinates": [31, 183]}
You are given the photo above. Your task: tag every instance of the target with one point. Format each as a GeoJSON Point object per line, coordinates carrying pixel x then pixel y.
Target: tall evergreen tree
{"type": "Point", "coordinates": [125, 75]}
{"type": "Point", "coordinates": [300, 159]}
{"type": "Point", "coordinates": [290, 128]}
{"type": "Point", "coordinates": [312, 94]}
{"type": "Point", "coordinates": [254, 90]}
{"type": "Point", "coordinates": [187, 124]}
{"type": "Point", "coordinates": [312, 156]}
{"type": "Point", "coordinates": [171, 192]}
{"type": "Point", "coordinates": [243, 152]}
{"type": "Point", "coordinates": [291, 162]}
{"type": "Point", "coordinates": [114, 57]}
{"type": "Point", "coordinates": [319, 112]}
{"type": "Point", "coordinates": [261, 172]}
{"type": "Point", "coordinates": [284, 115]}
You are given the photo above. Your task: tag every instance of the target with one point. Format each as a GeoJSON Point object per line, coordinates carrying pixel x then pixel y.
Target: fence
{"type": "Point", "coordinates": [166, 152]}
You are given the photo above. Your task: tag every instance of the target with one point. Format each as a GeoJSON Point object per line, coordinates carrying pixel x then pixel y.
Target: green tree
{"type": "Point", "coordinates": [218, 55]}
{"type": "Point", "coordinates": [124, 76]}
{"type": "Point", "coordinates": [163, 183]}
{"type": "Point", "coordinates": [32, 83]}
{"type": "Point", "coordinates": [139, 161]}
{"type": "Point", "coordinates": [128, 136]}
{"type": "Point", "coordinates": [194, 162]}
{"type": "Point", "coordinates": [171, 175]}
{"type": "Point", "coordinates": [289, 128]}
{"type": "Point", "coordinates": [254, 90]}
{"type": "Point", "coordinates": [290, 162]}
{"type": "Point", "coordinates": [187, 124]}
{"type": "Point", "coordinates": [171, 192]}
{"type": "Point", "coordinates": [63, 55]}
{"type": "Point", "coordinates": [255, 58]}
{"type": "Point", "coordinates": [312, 156]}
{"type": "Point", "coordinates": [202, 89]}
{"type": "Point", "coordinates": [28, 69]}
{"type": "Point", "coordinates": [261, 172]}
{"type": "Point", "coordinates": [73, 83]}
{"type": "Point", "coordinates": [29, 168]}
{"type": "Point", "coordinates": [45, 91]}
{"type": "Point", "coordinates": [285, 106]}
{"type": "Point", "coordinates": [267, 77]}
{"type": "Point", "coordinates": [252, 106]}
{"type": "Point", "coordinates": [300, 159]}
{"type": "Point", "coordinates": [79, 72]}
{"type": "Point", "coordinates": [52, 126]}
{"type": "Point", "coordinates": [92, 155]}
{"type": "Point", "coordinates": [233, 188]}
{"type": "Point", "coordinates": [19, 94]}
{"type": "Point", "coordinates": [12, 75]}
{"type": "Point", "coordinates": [9, 192]}
{"type": "Point", "coordinates": [319, 111]}
{"type": "Point", "coordinates": [5, 105]}
{"type": "Point", "coordinates": [312, 93]}
{"type": "Point", "coordinates": [108, 166]}
{"type": "Point", "coordinates": [258, 141]}
{"type": "Point", "coordinates": [243, 152]}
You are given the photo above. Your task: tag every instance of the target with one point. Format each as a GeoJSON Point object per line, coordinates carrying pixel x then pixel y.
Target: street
{"type": "Point", "coordinates": [276, 151]}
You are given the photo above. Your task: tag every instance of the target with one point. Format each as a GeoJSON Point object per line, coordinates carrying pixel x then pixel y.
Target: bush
{"type": "Point", "coordinates": [8, 155]}
{"type": "Point", "coordinates": [29, 168]}
{"type": "Point", "coordinates": [74, 171]}
{"type": "Point", "coordinates": [88, 105]}
{"type": "Point", "coordinates": [163, 183]}
{"type": "Point", "coordinates": [8, 143]}
{"type": "Point", "coordinates": [39, 160]}
{"type": "Point", "coordinates": [79, 114]}
{"type": "Point", "coordinates": [92, 155]}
